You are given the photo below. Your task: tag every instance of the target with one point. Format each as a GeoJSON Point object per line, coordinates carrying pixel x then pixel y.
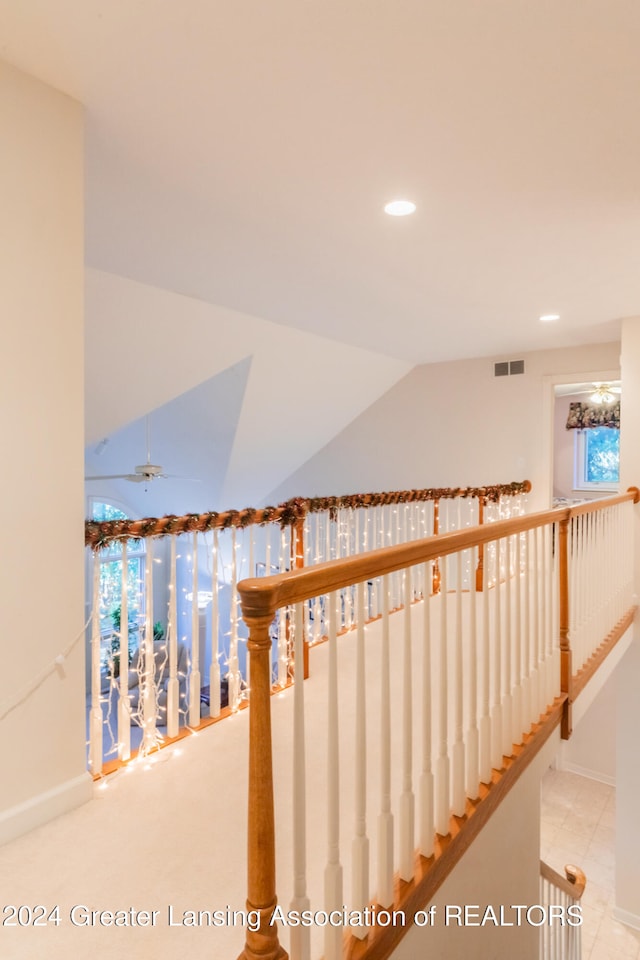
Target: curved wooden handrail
{"type": "Point", "coordinates": [573, 884]}
{"type": "Point", "coordinates": [261, 597]}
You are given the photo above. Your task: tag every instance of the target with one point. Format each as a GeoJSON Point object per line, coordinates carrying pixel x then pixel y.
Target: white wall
{"type": "Point", "coordinates": [591, 751]}
{"type": "Point", "coordinates": [628, 712]}
{"type": "Point", "coordinates": [41, 487]}
{"type": "Point", "coordinates": [451, 424]}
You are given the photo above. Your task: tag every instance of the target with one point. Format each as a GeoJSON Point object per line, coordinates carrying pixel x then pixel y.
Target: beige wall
{"type": "Point", "coordinates": [628, 698]}
{"type": "Point", "coordinates": [451, 424]}
{"type": "Point", "coordinates": [41, 483]}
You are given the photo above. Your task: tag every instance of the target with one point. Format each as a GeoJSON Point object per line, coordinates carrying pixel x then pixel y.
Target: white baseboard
{"type": "Point", "coordinates": [38, 810]}
{"type": "Point", "coordinates": [625, 916]}
{"type": "Point", "coordinates": [563, 764]}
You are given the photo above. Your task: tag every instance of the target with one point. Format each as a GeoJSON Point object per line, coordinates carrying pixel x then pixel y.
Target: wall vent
{"type": "Point", "coordinates": [508, 368]}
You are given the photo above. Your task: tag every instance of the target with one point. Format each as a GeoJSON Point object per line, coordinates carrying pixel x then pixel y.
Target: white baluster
{"type": "Point", "coordinates": [214, 668]}
{"type": "Point", "coordinates": [528, 703]}
{"type": "Point", "coordinates": [317, 606]}
{"type": "Point", "coordinates": [234, 679]}
{"type": "Point", "coordinates": [442, 811]}
{"type": "Point", "coordinates": [507, 703]}
{"type": "Point", "coordinates": [427, 824]}
{"type": "Point", "coordinates": [458, 798]}
{"type": "Point", "coordinates": [472, 776]}
{"type": "Point", "coordinates": [517, 727]}
{"type": "Point", "coordinates": [385, 818]}
{"type": "Point", "coordinates": [194, 677]}
{"type": "Point", "coordinates": [485, 705]}
{"type": "Point", "coordinates": [360, 847]}
{"type": "Point", "coordinates": [496, 657]}
{"type": "Point", "coordinates": [173, 686]}
{"type": "Point", "coordinates": [124, 704]}
{"type": "Point", "coordinates": [300, 936]}
{"type": "Point", "coordinates": [95, 739]}
{"type": "Point", "coordinates": [407, 801]}
{"type": "Point", "coordinates": [333, 895]}
{"type": "Point", "coordinates": [149, 704]}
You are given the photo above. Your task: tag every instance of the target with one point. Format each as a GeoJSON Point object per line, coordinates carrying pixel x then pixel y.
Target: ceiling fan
{"type": "Point", "coordinates": [142, 472]}
{"type": "Point", "coordinates": [603, 393]}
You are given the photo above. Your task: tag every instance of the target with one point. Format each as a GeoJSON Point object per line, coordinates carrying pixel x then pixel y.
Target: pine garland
{"type": "Point", "coordinates": [100, 534]}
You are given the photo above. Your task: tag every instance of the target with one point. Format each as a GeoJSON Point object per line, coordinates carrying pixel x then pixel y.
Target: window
{"type": "Point", "coordinates": [597, 459]}
{"type": "Point", "coordinates": [110, 559]}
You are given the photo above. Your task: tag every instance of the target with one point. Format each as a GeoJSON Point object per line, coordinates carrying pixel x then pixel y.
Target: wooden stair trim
{"type": "Point", "coordinates": [597, 658]}
{"type": "Point", "coordinates": [430, 873]}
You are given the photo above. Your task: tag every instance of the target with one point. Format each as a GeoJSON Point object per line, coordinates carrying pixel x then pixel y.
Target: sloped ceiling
{"type": "Point", "coordinates": [235, 401]}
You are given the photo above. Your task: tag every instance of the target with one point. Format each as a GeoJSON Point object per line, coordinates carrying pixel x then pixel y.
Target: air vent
{"type": "Point", "coordinates": [508, 368]}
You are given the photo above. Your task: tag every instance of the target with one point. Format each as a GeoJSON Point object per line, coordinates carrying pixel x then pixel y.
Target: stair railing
{"type": "Point", "coordinates": [478, 678]}
{"type": "Point", "coordinates": [197, 672]}
{"type": "Point", "coordinates": [561, 934]}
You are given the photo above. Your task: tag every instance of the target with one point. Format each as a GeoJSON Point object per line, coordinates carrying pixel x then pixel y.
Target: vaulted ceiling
{"type": "Point", "coordinates": [238, 157]}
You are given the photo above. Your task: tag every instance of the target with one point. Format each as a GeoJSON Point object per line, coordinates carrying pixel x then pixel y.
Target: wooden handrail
{"type": "Point", "coordinates": [573, 884]}
{"type": "Point", "coordinates": [263, 596]}
{"type": "Point", "coordinates": [101, 533]}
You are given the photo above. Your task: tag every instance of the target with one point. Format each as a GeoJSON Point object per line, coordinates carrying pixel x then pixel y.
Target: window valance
{"type": "Point", "coordinates": [583, 416]}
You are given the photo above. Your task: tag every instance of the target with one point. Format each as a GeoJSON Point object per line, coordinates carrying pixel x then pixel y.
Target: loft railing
{"type": "Point", "coordinates": [168, 650]}
{"type": "Point", "coordinates": [560, 936]}
{"type": "Point", "coordinates": [462, 691]}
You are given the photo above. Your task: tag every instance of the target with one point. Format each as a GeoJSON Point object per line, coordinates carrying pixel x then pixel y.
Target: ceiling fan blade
{"type": "Point", "coordinates": [111, 476]}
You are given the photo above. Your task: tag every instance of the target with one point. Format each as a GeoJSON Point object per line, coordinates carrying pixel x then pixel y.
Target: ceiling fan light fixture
{"type": "Point", "coordinates": [602, 395]}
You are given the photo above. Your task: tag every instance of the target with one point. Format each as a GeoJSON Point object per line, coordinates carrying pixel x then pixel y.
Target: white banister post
{"type": "Point", "coordinates": [517, 721]}
{"type": "Point", "coordinates": [194, 678]}
{"type": "Point", "coordinates": [472, 775]}
{"type": "Point", "coordinates": [300, 941]}
{"type": "Point", "coordinates": [124, 704]}
{"type": "Point", "coordinates": [173, 686]}
{"type": "Point", "coordinates": [442, 808]}
{"type": "Point", "coordinates": [485, 696]}
{"type": "Point", "coordinates": [427, 826]}
{"type": "Point", "coordinates": [507, 701]}
{"type": "Point", "coordinates": [360, 846]}
{"type": "Point", "coordinates": [149, 700]}
{"type": "Point", "coordinates": [234, 669]}
{"type": "Point", "coordinates": [333, 894]}
{"type": "Point", "coordinates": [385, 818]}
{"type": "Point", "coordinates": [458, 798]}
{"type": "Point", "coordinates": [214, 667]}
{"type": "Point", "coordinates": [496, 660]}
{"type": "Point", "coordinates": [407, 801]}
{"type": "Point", "coordinates": [95, 739]}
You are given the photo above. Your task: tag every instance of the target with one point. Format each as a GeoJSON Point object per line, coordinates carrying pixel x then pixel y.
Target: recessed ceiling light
{"type": "Point", "coordinates": [399, 208]}
{"type": "Point", "coordinates": [549, 317]}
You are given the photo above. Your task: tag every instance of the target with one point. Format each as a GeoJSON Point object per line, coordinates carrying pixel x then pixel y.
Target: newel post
{"type": "Point", "coordinates": [263, 944]}
{"type": "Point", "coordinates": [566, 671]}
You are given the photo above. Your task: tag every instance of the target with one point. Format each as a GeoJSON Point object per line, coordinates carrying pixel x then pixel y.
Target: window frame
{"type": "Point", "coordinates": [580, 463]}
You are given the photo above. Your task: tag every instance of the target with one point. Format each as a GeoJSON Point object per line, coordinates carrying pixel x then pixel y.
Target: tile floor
{"type": "Point", "coordinates": [578, 821]}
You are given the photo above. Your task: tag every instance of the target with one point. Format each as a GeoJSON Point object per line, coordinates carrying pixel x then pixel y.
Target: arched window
{"type": "Point", "coordinates": [110, 559]}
